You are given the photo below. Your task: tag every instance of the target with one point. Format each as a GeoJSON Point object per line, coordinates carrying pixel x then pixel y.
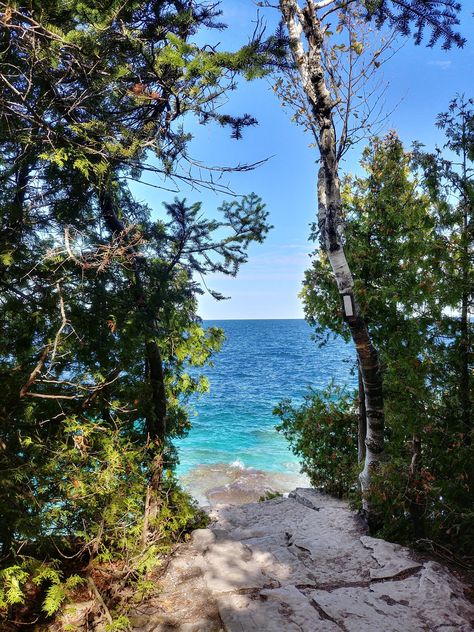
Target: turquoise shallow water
{"type": "Point", "coordinates": [262, 362]}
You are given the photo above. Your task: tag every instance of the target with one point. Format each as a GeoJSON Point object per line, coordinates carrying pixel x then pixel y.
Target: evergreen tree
{"type": "Point", "coordinates": [99, 296]}
{"type": "Point", "coordinates": [404, 260]}
{"type": "Point", "coordinates": [450, 179]}
{"type": "Point", "coordinates": [438, 17]}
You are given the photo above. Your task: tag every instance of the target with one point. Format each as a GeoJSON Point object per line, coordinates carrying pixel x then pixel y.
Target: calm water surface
{"type": "Point", "coordinates": [261, 363]}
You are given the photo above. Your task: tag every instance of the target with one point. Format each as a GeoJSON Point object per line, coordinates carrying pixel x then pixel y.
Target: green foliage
{"type": "Point", "coordinates": [408, 237]}
{"type": "Point", "coordinates": [55, 595]}
{"type": "Point", "coordinates": [436, 20]}
{"type": "Point", "coordinates": [119, 623]}
{"type": "Point", "coordinates": [12, 580]}
{"type": "Point", "coordinates": [440, 493]}
{"type": "Point", "coordinates": [102, 349]}
{"type": "Point", "coordinates": [137, 71]}
{"type": "Point", "coordinates": [16, 579]}
{"type": "Point", "coordinates": [179, 514]}
{"type": "Point", "coordinates": [269, 496]}
{"type": "Point", "coordinates": [143, 588]}
{"type": "Point", "coordinates": [322, 432]}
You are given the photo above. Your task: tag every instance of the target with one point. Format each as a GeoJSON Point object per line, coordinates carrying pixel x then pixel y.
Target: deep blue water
{"type": "Point", "coordinates": [261, 362]}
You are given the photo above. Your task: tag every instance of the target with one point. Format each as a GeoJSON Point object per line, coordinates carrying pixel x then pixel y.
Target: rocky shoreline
{"type": "Point", "coordinates": [218, 484]}
{"type": "Point", "coordinates": [300, 564]}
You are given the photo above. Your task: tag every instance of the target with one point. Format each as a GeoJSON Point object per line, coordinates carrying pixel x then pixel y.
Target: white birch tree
{"type": "Point", "coordinates": [328, 97]}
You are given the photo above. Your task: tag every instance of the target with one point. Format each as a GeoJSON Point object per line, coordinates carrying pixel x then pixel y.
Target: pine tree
{"type": "Point", "coordinates": [102, 345]}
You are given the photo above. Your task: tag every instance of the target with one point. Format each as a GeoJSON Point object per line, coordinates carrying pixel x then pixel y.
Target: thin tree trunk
{"type": "Point", "coordinates": [156, 427]}
{"type": "Point", "coordinates": [18, 207]}
{"type": "Point", "coordinates": [16, 217]}
{"type": "Point", "coordinates": [308, 59]}
{"type": "Point", "coordinates": [417, 503]}
{"type": "Point", "coordinates": [362, 429]}
{"type": "Point", "coordinates": [464, 382]}
{"type": "Point", "coordinates": [464, 340]}
{"type": "Point", "coordinates": [154, 375]}
{"type": "Point", "coordinates": [329, 219]}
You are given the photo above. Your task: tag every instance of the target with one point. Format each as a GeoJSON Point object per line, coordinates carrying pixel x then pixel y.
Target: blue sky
{"type": "Point", "coordinates": [421, 83]}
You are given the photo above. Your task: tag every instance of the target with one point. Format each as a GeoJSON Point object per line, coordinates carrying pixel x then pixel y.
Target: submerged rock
{"type": "Point", "coordinates": [234, 484]}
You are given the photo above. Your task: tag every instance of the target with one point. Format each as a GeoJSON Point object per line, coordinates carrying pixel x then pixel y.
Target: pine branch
{"type": "Point", "coordinates": [439, 17]}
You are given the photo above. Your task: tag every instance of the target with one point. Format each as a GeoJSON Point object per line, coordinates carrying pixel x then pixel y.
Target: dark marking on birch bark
{"type": "Point", "coordinates": [362, 429]}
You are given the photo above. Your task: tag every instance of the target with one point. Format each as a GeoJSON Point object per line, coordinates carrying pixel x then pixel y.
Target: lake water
{"type": "Point", "coordinates": [233, 451]}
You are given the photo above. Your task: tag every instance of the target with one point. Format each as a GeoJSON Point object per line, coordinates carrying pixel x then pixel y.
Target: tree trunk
{"type": "Point", "coordinates": [362, 429]}
{"type": "Point", "coordinates": [156, 428]}
{"type": "Point", "coordinates": [464, 382]}
{"type": "Point", "coordinates": [464, 340]}
{"type": "Point", "coordinates": [18, 207]}
{"type": "Point", "coordinates": [15, 219]}
{"type": "Point", "coordinates": [417, 503]}
{"type": "Point", "coordinates": [308, 59]}
{"type": "Point", "coordinates": [331, 236]}
{"type": "Point", "coordinates": [154, 375]}
{"type": "Point", "coordinates": [466, 264]}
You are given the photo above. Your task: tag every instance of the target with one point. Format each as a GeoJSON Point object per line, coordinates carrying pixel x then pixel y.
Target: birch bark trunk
{"type": "Point", "coordinates": [306, 42]}
{"type": "Point", "coordinates": [362, 430]}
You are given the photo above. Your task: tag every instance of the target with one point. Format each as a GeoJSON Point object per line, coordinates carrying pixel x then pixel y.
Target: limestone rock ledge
{"type": "Point", "coordinates": [303, 564]}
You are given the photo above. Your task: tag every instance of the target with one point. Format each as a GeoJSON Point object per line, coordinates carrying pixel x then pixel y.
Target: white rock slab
{"type": "Point", "coordinates": [231, 566]}
{"type": "Point", "coordinates": [430, 600]}
{"type": "Point", "coordinates": [393, 559]}
{"type": "Point", "coordinates": [304, 564]}
{"type": "Point", "coordinates": [282, 610]}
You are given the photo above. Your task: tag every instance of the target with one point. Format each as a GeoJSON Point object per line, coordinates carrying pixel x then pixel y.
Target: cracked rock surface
{"type": "Point", "coordinates": [305, 564]}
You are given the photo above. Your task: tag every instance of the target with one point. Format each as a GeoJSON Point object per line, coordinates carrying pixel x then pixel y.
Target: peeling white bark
{"type": "Point", "coordinates": [307, 54]}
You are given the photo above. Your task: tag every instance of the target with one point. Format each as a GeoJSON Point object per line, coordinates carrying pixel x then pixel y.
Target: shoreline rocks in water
{"type": "Point", "coordinates": [234, 484]}
{"type": "Point", "coordinates": [301, 564]}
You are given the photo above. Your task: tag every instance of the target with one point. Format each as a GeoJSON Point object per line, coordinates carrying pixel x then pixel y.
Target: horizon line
{"type": "Point", "coordinates": [205, 319]}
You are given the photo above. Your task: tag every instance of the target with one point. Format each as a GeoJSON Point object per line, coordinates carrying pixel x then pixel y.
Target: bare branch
{"type": "Point", "coordinates": [63, 325]}
{"type": "Point", "coordinates": [35, 373]}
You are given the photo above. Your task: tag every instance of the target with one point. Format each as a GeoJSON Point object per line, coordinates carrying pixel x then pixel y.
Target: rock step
{"type": "Point", "coordinates": [300, 564]}
{"type": "Point", "coordinates": [304, 564]}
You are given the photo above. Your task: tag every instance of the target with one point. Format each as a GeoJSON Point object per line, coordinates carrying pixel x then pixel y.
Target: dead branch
{"type": "Point", "coordinates": [50, 396]}
{"type": "Point", "coordinates": [109, 379]}
{"type": "Point", "coordinates": [63, 325]}
{"type": "Point", "coordinates": [123, 247]}
{"type": "Point", "coordinates": [36, 371]}
{"type": "Point", "coordinates": [100, 600]}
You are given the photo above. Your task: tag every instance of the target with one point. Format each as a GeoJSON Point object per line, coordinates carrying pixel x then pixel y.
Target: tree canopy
{"type": "Point", "coordinates": [102, 347]}
{"type": "Point", "coordinates": [99, 292]}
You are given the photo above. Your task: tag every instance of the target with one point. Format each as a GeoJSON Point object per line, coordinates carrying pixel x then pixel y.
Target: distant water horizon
{"type": "Point", "coordinates": [224, 320]}
{"type": "Point", "coordinates": [233, 450]}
